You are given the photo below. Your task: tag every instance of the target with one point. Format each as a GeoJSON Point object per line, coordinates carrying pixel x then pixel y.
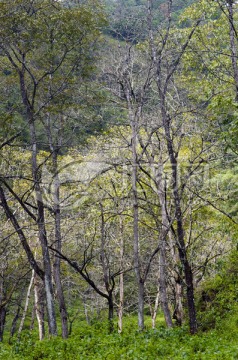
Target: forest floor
{"type": "Point", "coordinates": [94, 343]}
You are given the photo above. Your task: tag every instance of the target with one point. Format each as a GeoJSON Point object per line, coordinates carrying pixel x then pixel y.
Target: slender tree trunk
{"type": "Point", "coordinates": [161, 186]}
{"type": "Point", "coordinates": [121, 302]}
{"type": "Point", "coordinates": [17, 314]}
{"type": "Point", "coordinates": [164, 76]}
{"type": "Point", "coordinates": [106, 274]}
{"type": "Point", "coordinates": [33, 315]}
{"type": "Point", "coordinates": [28, 294]}
{"type": "Point", "coordinates": [29, 108]}
{"type": "Point", "coordinates": [156, 306]}
{"type": "Point", "coordinates": [110, 312]}
{"type": "Point", "coordinates": [39, 306]}
{"type": "Point", "coordinates": [177, 283]}
{"type": "Point", "coordinates": [54, 148]}
{"type": "Point", "coordinates": [14, 322]}
{"type": "Point", "coordinates": [134, 178]}
{"type": "Point", "coordinates": [163, 288]}
{"type": "Point", "coordinates": [141, 301]}
{"type": "Point", "coordinates": [58, 246]}
{"type": "Point", "coordinates": [121, 280]}
{"type": "Point", "coordinates": [188, 275]}
{"type": "Point", "coordinates": [178, 311]}
{"type": "Point", "coordinates": [43, 238]}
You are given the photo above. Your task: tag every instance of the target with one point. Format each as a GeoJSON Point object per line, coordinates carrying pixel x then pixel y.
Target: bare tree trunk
{"type": "Point", "coordinates": [163, 89]}
{"type": "Point", "coordinates": [39, 306]}
{"type": "Point", "coordinates": [180, 231]}
{"type": "Point", "coordinates": [177, 283]}
{"type": "Point", "coordinates": [121, 280]}
{"type": "Point", "coordinates": [180, 237]}
{"type": "Point", "coordinates": [54, 147]}
{"type": "Point", "coordinates": [161, 186]}
{"type": "Point", "coordinates": [134, 178]}
{"type": "Point", "coordinates": [121, 302]}
{"type": "Point", "coordinates": [106, 273]}
{"type": "Point", "coordinates": [29, 108]}
{"type": "Point", "coordinates": [165, 69]}
{"type": "Point", "coordinates": [33, 315]}
{"type": "Point", "coordinates": [110, 312]}
{"type": "Point", "coordinates": [28, 294]}
{"type": "Point", "coordinates": [178, 311]}
{"type": "Point", "coordinates": [58, 245]}
{"type": "Point", "coordinates": [164, 231]}
{"type": "Point", "coordinates": [156, 306]}
{"type": "Point", "coordinates": [43, 240]}
{"type": "Point", "coordinates": [163, 288]}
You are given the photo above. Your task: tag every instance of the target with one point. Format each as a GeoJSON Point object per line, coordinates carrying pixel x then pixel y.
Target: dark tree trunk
{"type": "Point", "coordinates": [3, 314]}
{"type": "Point", "coordinates": [110, 312]}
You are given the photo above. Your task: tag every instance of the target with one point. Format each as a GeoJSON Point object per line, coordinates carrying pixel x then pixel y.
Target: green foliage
{"type": "Point", "coordinates": [218, 295]}
{"type": "Point", "coordinates": [207, 67]}
{"type": "Point", "coordinates": [52, 48]}
{"type": "Point", "coordinates": [94, 343]}
{"type": "Point", "coordinates": [128, 21]}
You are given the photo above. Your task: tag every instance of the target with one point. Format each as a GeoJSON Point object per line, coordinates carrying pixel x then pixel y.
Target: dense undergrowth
{"type": "Point", "coordinates": [217, 338]}
{"type": "Point", "coordinates": [94, 342]}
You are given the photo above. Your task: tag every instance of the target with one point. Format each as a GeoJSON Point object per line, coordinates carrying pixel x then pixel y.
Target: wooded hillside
{"type": "Point", "coordinates": [118, 183]}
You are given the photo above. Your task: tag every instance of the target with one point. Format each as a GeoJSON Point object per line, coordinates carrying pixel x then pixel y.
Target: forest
{"type": "Point", "coordinates": [118, 172]}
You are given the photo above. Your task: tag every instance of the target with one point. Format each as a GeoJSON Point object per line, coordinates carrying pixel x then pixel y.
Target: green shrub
{"type": "Point", "coordinates": [217, 298]}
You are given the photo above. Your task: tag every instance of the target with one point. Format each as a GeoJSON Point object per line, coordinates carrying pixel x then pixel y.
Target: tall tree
{"type": "Point", "coordinates": [48, 47]}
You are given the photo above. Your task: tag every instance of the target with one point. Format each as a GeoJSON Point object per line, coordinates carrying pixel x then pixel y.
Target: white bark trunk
{"type": "Point", "coordinates": [28, 295]}
{"type": "Point", "coordinates": [39, 306]}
